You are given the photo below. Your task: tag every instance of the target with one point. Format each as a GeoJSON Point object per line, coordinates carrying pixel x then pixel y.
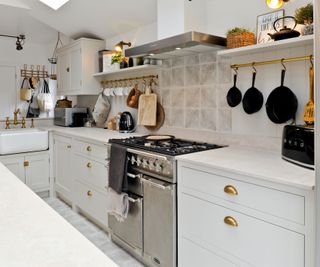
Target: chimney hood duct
{"type": "Point", "coordinates": [179, 45]}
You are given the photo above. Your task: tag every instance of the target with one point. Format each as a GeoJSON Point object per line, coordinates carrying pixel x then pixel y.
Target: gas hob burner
{"type": "Point", "coordinates": [168, 145]}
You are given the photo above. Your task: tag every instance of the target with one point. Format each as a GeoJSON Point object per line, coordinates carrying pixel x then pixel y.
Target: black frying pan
{"type": "Point", "coordinates": [253, 99]}
{"type": "Point", "coordinates": [282, 103]}
{"type": "Point", "coordinates": [234, 95]}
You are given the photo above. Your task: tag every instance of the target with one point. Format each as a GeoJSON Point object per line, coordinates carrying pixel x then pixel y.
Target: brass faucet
{"type": "Point", "coordinates": [15, 120]}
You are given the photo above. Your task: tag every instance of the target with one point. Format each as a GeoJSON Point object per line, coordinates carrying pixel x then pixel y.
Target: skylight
{"type": "Point", "coordinates": [54, 4]}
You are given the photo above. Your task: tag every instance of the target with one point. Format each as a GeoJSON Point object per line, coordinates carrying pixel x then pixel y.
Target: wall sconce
{"type": "Point", "coordinates": [119, 46]}
{"type": "Point", "coordinates": [274, 4]}
{"type": "Point", "coordinates": [20, 40]}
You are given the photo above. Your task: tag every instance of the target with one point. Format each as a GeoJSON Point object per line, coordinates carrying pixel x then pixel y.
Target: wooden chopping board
{"type": "Point", "coordinates": [147, 110]}
{"type": "Point", "coordinates": [160, 119]}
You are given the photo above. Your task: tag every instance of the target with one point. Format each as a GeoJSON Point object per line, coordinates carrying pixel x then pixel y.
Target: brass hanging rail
{"type": "Point", "coordinates": [105, 82]}
{"type": "Point", "coordinates": [32, 72]}
{"type": "Point", "coordinates": [275, 61]}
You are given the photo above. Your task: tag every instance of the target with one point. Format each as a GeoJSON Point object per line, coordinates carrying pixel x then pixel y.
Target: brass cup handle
{"type": "Point", "coordinates": [89, 193]}
{"type": "Point", "coordinates": [89, 165]}
{"type": "Point", "coordinates": [89, 149]}
{"type": "Point", "coordinates": [231, 190]}
{"type": "Point", "coordinates": [68, 146]}
{"type": "Point", "coordinates": [231, 221]}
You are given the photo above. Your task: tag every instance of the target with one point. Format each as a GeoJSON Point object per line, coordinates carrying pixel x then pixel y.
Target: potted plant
{"type": "Point", "coordinates": [304, 15]}
{"type": "Point", "coordinates": [115, 60]}
{"type": "Point", "coordinates": [238, 37]}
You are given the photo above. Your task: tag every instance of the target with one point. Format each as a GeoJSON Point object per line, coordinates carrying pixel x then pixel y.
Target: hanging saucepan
{"type": "Point", "coordinates": [234, 95]}
{"type": "Point", "coordinates": [253, 99]}
{"type": "Point", "coordinates": [282, 103]}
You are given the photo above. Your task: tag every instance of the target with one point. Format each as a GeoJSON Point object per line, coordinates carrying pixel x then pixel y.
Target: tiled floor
{"type": "Point", "coordinates": [94, 234]}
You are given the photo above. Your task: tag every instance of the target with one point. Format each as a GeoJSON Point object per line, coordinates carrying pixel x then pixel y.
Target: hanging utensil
{"type": "Point", "coordinates": [234, 95]}
{"type": "Point", "coordinates": [147, 109]}
{"type": "Point", "coordinates": [253, 99]}
{"type": "Point", "coordinates": [308, 115]}
{"type": "Point", "coordinates": [282, 103]}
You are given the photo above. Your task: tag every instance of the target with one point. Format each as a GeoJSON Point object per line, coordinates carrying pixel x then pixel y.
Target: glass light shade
{"type": "Point", "coordinates": [274, 3]}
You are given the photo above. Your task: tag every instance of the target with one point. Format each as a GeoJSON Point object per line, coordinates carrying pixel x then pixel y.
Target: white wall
{"type": "Point", "coordinates": [227, 14]}
{"type": "Point", "coordinates": [137, 36]}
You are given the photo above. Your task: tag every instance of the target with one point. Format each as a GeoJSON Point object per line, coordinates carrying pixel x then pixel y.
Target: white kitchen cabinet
{"type": "Point", "coordinates": [227, 220]}
{"type": "Point", "coordinates": [15, 165]}
{"type": "Point", "coordinates": [77, 62]}
{"type": "Point", "coordinates": [31, 168]}
{"type": "Point", "coordinates": [37, 170]}
{"type": "Point", "coordinates": [63, 166]}
{"type": "Point", "coordinates": [91, 179]}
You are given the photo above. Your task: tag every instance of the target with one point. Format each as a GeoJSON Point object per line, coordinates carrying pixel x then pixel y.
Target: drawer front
{"type": "Point", "coordinates": [92, 202]}
{"type": "Point", "coordinates": [191, 255]}
{"type": "Point", "coordinates": [91, 150]}
{"type": "Point", "coordinates": [251, 240]}
{"type": "Point", "coordinates": [246, 194]}
{"type": "Point", "coordinates": [91, 171]}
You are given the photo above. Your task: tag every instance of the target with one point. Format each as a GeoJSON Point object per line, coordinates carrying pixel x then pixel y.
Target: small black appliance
{"type": "Point", "coordinates": [126, 123]}
{"type": "Point", "coordinates": [298, 145]}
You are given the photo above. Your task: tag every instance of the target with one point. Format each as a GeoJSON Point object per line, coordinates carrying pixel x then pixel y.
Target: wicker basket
{"type": "Point", "coordinates": [235, 40]}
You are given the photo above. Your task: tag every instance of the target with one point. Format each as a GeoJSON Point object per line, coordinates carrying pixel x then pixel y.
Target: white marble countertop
{"type": "Point", "coordinates": [95, 134]}
{"type": "Point", "coordinates": [34, 235]}
{"type": "Point", "coordinates": [261, 164]}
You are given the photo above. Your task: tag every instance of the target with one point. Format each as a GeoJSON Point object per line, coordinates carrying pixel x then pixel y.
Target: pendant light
{"type": "Point", "coordinates": [274, 4]}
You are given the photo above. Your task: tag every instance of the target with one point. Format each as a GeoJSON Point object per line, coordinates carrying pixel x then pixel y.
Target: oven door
{"type": "Point", "coordinates": [160, 227]}
{"type": "Point", "coordinates": [130, 230]}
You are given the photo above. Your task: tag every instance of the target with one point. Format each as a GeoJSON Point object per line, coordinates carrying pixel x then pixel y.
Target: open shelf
{"type": "Point", "coordinates": [131, 70]}
{"type": "Point", "coordinates": [258, 48]}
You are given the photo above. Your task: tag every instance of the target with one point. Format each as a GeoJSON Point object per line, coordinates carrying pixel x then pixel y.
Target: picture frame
{"type": "Point", "coordinates": [265, 25]}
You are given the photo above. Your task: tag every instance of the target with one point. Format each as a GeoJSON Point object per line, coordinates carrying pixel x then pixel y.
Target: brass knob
{"type": "Point", "coordinates": [68, 69]}
{"type": "Point", "coordinates": [231, 190]}
{"type": "Point", "coordinates": [89, 193]}
{"type": "Point", "coordinates": [89, 149]}
{"type": "Point", "coordinates": [231, 221]}
{"type": "Point", "coordinates": [26, 163]}
{"type": "Point", "coordinates": [89, 165]}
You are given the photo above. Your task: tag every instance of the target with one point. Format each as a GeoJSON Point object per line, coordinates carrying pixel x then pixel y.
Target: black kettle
{"type": "Point", "coordinates": [285, 32]}
{"type": "Point", "coordinates": [126, 123]}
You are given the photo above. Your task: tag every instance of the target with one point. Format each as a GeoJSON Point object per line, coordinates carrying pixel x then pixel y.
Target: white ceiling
{"type": "Point", "coordinates": [77, 18]}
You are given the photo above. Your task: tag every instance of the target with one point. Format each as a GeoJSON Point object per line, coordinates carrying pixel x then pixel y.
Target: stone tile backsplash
{"type": "Point", "coordinates": [193, 92]}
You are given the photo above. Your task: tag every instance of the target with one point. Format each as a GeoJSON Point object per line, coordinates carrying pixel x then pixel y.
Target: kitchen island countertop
{"type": "Point", "coordinates": [34, 235]}
{"type": "Point", "coordinates": [260, 164]}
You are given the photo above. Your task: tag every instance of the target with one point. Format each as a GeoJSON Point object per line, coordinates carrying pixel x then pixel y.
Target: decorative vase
{"type": "Point", "coordinates": [307, 29]}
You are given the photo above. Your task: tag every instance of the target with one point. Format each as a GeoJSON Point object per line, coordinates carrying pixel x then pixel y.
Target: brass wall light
{"type": "Point", "coordinates": [274, 4]}
{"type": "Point", "coordinates": [20, 40]}
{"type": "Point", "coordinates": [119, 46]}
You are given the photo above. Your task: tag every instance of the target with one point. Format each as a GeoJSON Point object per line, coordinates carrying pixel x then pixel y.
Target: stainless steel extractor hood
{"type": "Point", "coordinates": [179, 45]}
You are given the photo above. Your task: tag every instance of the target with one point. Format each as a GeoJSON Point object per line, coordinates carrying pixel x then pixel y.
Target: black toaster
{"type": "Point", "coordinates": [298, 145]}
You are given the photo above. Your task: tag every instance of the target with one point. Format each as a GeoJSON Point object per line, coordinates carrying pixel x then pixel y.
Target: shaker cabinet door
{"type": "Point", "coordinates": [37, 172]}
{"type": "Point", "coordinates": [15, 165]}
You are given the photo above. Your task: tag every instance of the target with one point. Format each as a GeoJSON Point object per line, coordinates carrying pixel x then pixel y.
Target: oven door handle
{"type": "Point", "coordinates": [134, 176]}
{"type": "Point", "coordinates": [134, 200]}
{"type": "Point", "coordinates": [160, 186]}
{"type": "Point", "coordinates": [143, 153]}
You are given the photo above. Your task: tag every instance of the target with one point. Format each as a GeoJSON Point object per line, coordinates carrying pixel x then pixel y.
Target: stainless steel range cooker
{"type": "Point", "coordinates": [150, 231]}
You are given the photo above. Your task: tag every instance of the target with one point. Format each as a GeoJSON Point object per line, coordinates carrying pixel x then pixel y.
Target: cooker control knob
{"type": "Point", "coordinates": [159, 167]}
{"type": "Point", "coordinates": [145, 163]}
{"type": "Point", "coordinates": [133, 160]}
{"type": "Point", "coordinates": [152, 165]}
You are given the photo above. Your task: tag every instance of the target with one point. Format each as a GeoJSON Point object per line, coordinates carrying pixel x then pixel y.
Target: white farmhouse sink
{"type": "Point", "coordinates": [23, 140]}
